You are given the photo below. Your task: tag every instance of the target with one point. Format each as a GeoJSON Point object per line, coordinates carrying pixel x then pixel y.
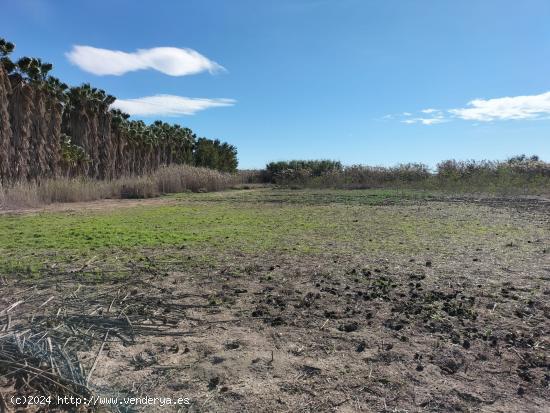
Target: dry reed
{"type": "Point", "coordinates": [170, 179]}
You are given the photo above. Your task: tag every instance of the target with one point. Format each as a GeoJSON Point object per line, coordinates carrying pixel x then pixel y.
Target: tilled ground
{"type": "Point", "coordinates": [462, 332]}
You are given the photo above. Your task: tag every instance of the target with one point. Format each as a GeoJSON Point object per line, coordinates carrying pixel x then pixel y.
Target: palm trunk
{"type": "Point", "coordinates": [105, 149]}
{"type": "Point", "coordinates": [78, 128]}
{"type": "Point", "coordinates": [93, 145]}
{"type": "Point", "coordinates": [38, 153]}
{"type": "Point", "coordinates": [20, 108]}
{"type": "Point", "coordinates": [54, 109]}
{"type": "Point", "coordinates": [5, 128]}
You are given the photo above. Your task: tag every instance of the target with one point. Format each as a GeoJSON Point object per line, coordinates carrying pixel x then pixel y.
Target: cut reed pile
{"type": "Point", "coordinates": [46, 322]}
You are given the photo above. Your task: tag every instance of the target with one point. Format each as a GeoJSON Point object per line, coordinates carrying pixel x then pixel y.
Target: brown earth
{"type": "Point", "coordinates": [100, 205]}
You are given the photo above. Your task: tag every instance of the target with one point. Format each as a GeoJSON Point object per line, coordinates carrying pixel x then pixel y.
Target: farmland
{"type": "Point", "coordinates": [269, 299]}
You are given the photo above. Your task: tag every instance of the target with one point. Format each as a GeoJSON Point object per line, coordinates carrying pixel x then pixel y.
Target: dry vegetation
{"type": "Point", "coordinates": [166, 180]}
{"type": "Point", "coordinates": [517, 175]}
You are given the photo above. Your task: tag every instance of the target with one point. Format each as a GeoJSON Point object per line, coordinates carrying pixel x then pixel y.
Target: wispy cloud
{"type": "Point", "coordinates": [433, 117]}
{"type": "Point", "coordinates": [485, 110]}
{"type": "Point", "coordinates": [168, 105]}
{"type": "Point", "coordinates": [428, 111]}
{"type": "Point", "coordinates": [424, 121]}
{"type": "Point", "coordinates": [169, 60]}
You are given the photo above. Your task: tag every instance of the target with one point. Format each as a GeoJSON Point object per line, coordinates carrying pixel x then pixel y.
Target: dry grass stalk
{"type": "Point", "coordinates": [171, 179]}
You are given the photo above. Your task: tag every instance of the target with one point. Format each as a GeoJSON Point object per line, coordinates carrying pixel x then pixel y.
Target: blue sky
{"type": "Point", "coordinates": [338, 79]}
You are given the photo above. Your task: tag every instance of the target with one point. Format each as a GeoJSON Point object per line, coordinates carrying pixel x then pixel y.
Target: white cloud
{"type": "Point", "coordinates": [486, 110]}
{"type": "Point", "coordinates": [169, 60]}
{"type": "Point", "coordinates": [507, 108]}
{"type": "Point", "coordinates": [168, 105]}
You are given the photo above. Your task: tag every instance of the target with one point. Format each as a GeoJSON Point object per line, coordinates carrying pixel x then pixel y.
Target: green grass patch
{"type": "Point", "coordinates": [254, 221]}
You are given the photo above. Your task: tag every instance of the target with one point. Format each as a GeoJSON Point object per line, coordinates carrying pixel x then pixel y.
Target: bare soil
{"type": "Point", "coordinates": [100, 205]}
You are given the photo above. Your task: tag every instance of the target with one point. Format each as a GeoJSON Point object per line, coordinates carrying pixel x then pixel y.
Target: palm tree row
{"type": "Point", "coordinates": [49, 129]}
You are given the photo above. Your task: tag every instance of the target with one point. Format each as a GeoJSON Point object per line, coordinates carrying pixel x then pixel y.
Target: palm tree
{"type": "Point", "coordinates": [35, 73]}
{"type": "Point", "coordinates": [47, 129]}
{"type": "Point", "coordinates": [56, 98]}
{"type": "Point", "coordinates": [6, 66]}
{"type": "Point", "coordinates": [21, 108]}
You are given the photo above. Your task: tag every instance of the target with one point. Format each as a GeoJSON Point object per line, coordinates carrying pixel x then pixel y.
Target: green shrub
{"type": "Point", "coordinates": [517, 175]}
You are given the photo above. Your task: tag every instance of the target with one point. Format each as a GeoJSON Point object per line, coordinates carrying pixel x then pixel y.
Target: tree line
{"type": "Point", "coordinates": [518, 174]}
{"type": "Point", "coordinates": [48, 129]}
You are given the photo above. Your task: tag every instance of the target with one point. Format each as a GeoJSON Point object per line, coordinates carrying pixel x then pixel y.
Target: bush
{"type": "Point", "coordinates": [285, 171]}
{"type": "Point", "coordinates": [517, 175]}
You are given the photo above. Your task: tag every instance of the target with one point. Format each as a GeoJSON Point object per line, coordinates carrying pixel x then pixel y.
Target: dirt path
{"type": "Point", "coordinates": [99, 205]}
